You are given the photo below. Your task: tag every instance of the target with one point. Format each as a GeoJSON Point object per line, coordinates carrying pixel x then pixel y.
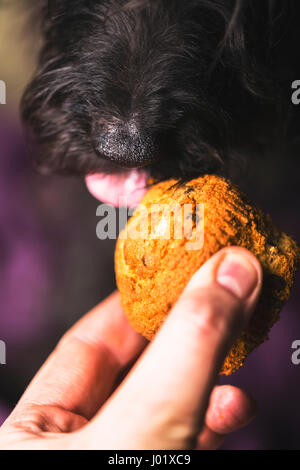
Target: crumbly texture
{"type": "Point", "coordinates": [152, 270]}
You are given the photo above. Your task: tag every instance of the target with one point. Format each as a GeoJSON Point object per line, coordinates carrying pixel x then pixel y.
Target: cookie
{"type": "Point", "coordinates": [179, 226]}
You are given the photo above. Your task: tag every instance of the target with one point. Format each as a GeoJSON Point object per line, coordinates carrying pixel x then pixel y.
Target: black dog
{"type": "Point", "coordinates": [179, 86]}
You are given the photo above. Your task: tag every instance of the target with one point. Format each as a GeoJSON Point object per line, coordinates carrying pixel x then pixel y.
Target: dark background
{"type": "Point", "coordinates": [53, 269]}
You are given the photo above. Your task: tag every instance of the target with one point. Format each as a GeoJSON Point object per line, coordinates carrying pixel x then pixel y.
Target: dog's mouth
{"type": "Point", "coordinates": [123, 189]}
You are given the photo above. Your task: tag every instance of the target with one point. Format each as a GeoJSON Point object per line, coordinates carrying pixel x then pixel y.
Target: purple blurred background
{"type": "Point", "coordinates": [53, 269]}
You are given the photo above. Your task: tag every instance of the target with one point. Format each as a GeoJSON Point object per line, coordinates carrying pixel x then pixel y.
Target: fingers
{"type": "Point", "coordinates": [209, 440]}
{"type": "Point", "coordinates": [230, 409]}
{"type": "Point", "coordinates": [166, 395]}
{"type": "Point", "coordinates": [80, 373]}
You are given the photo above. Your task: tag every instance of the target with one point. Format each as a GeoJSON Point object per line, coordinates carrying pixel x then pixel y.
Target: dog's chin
{"type": "Point", "coordinates": [122, 189]}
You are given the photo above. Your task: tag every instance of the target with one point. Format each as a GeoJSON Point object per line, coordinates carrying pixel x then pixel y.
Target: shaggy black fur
{"type": "Point", "coordinates": [187, 86]}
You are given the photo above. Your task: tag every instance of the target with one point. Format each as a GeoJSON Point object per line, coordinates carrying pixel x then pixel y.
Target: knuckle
{"type": "Point", "coordinates": [212, 319]}
{"type": "Point", "coordinates": [66, 341]}
{"type": "Point", "coordinates": [213, 313]}
{"type": "Point", "coordinates": [31, 420]}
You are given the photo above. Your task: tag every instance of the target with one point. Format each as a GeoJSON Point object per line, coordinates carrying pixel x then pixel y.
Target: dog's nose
{"type": "Point", "coordinates": [126, 145]}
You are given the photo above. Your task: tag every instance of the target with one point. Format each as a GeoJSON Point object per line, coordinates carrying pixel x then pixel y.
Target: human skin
{"type": "Point", "coordinates": [168, 399]}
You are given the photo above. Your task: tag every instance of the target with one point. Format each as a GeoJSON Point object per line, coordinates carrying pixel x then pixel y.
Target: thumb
{"type": "Point", "coordinates": [162, 403]}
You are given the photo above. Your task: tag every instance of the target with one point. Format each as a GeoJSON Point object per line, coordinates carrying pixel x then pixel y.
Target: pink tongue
{"type": "Point", "coordinates": [125, 189]}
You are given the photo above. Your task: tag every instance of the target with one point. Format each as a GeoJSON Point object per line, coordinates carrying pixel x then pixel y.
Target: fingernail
{"type": "Point", "coordinates": [237, 274]}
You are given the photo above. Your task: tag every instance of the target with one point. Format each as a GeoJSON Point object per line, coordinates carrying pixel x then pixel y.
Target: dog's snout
{"type": "Point", "coordinates": [125, 145]}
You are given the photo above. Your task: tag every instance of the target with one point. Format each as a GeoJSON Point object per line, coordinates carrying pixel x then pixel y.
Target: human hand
{"type": "Point", "coordinates": [168, 400]}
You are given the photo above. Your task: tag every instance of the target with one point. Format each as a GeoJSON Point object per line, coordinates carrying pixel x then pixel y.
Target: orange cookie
{"type": "Point", "coordinates": [174, 230]}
